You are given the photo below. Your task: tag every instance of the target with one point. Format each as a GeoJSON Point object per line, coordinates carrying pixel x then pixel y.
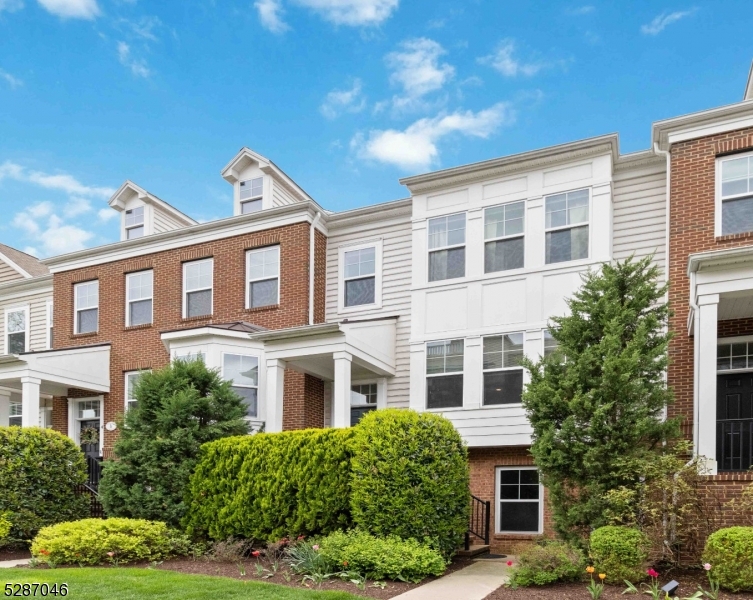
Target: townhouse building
{"type": "Point", "coordinates": [428, 302]}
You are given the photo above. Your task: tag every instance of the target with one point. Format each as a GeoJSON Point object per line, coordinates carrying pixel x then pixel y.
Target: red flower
{"type": "Point", "coordinates": [345, 563]}
{"type": "Point", "coordinates": [43, 551]}
{"type": "Point", "coordinates": [509, 563]}
{"type": "Point", "coordinates": [301, 537]}
{"type": "Point", "coordinates": [652, 573]}
{"type": "Point", "coordinates": [256, 553]}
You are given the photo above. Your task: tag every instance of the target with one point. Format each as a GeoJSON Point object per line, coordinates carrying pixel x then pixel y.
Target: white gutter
{"type": "Point", "coordinates": [312, 245]}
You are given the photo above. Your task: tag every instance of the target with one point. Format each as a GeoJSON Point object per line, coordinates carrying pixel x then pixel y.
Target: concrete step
{"type": "Point", "coordinates": [474, 550]}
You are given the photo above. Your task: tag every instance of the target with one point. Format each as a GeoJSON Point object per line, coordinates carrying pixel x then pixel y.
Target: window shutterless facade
{"type": "Point", "coordinates": [197, 287]}
{"type": "Point", "coordinates": [243, 372]}
{"type": "Point", "coordinates": [447, 247]}
{"type": "Point", "coordinates": [519, 500]}
{"type": "Point", "coordinates": [363, 399]}
{"type": "Point", "coordinates": [86, 298]}
{"type": "Point", "coordinates": [134, 223]}
{"type": "Point", "coordinates": [16, 414]}
{"type": "Point", "coordinates": [503, 375]}
{"type": "Point", "coordinates": [263, 277]}
{"type": "Point", "coordinates": [567, 226]}
{"type": "Point", "coordinates": [131, 377]}
{"type": "Point", "coordinates": [444, 374]}
{"type": "Point", "coordinates": [504, 235]}
{"type": "Point", "coordinates": [735, 194]}
{"type": "Point", "coordinates": [17, 330]}
{"type": "Point", "coordinates": [359, 276]}
{"type": "Point", "coordinates": [251, 192]}
{"type": "Point", "coordinates": [139, 292]}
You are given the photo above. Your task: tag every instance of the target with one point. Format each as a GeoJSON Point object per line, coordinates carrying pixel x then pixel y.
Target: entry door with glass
{"type": "Point", "coordinates": [88, 426]}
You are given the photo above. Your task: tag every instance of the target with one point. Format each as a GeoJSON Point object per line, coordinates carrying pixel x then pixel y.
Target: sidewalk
{"type": "Point", "coordinates": [4, 564]}
{"type": "Point", "coordinates": [474, 582]}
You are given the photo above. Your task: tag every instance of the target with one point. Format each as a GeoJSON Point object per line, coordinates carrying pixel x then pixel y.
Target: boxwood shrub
{"type": "Point", "coordinates": [38, 471]}
{"type": "Point", "coordinates": [548, 562]}
{"type": "Point", "coordinates": [730, 552]}
{"type": "Point", "coordinates": [620, 552]}
{"type": "Point", "coordinates": [270, 485]}
{"type": "Point", "coordinates": [410, 478]}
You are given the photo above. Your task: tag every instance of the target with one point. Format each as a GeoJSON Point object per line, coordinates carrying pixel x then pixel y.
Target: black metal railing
{"type": "Point", "coordinates": [734, 439]}
{"type": "Point", "coordinates": [479, 522]}
{"type": "Point", "coordinates": [94, 472]}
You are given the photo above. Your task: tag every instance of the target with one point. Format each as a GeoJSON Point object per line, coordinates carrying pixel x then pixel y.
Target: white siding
{"type": "Point", "coordinates": [281, 196]}
{"type": "Point", "coordinates": [8, 273]}
{"type": "Point", "coordinates": [163, 221]}
{"type": "Point", "coordinates": [37, 304]}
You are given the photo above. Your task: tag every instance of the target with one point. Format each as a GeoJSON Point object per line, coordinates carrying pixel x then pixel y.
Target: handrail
{"type": "Point", "coordinates": [479, 521]}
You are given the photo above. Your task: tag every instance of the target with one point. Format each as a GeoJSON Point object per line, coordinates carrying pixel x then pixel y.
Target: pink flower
{"type": "Point", "coordinates": [707, 566]}
{"type": "Point", "coordinates": [315, 546]}
{"type": "Point", "coordinates": [652, 573]}
{"type": "Point", "coordinates": [256, 553]}
{"type": "Point", "coordinates": [509, 563]}
{"type": "Point", "coordinates": [110, 554]}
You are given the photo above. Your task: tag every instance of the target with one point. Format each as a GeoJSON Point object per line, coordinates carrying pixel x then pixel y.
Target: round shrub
{"type": "Point", "coordinates": [410, 478]}
{"type": "Point", "coordinates": [99, 541]}
{"type": "Point", "coordinates": [730, 552]}
{"type": "Point", "coordinates": [381, 557]}
{"type": "Point", "coordinates": [548, 562]}
{"type": "Point", "coordinates": [39, 469]}
{"type": "Point", "coordinates": [620, 552]}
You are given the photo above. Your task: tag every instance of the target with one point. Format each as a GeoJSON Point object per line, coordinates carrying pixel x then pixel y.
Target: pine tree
{"type": "Point", "coordinates": [600, 398]}
{"type": "Point", "coordinates": [178, 409]}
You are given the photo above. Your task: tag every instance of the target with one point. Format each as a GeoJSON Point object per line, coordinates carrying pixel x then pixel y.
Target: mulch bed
{"type": "Point", "coordinates": [13, 554]}
{"type": "Point", "coordinates": [689, 582]}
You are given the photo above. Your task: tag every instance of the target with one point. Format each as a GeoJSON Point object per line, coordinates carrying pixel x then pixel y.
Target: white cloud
{"type": "Point", "coordinates": [352, 12]}
{"type": "Point", "coordinates": [503, 60]}
{"type": "Point", "coordinates": [13, 82]}
{"type": "Point", "coordinates": [77, 206]}
{"type": "Point", "coordinates": [270, 15]}
{"type": "Point", "coordinates": [106, 214]}
{"type": "Point", "coordinates": [416, 68]}
{"type": "Point", "coordinates": [580, 10]}
{"type": "Point", "coordinates": [59, 238]}
{"type": "Point", "coordinates": [53, 233]}
{"type": "Point", "coordinates": [145, 27]}
{"type": "Point", "coordinates": [138, 67]}
{"type": "Point", "coordinates": [72, 9]}
{"type": "Point", "coordinates": [61, 182]}
{"type": "Point", "coordinates": [339, 101]}
{"type": "Point", "coordinates": [661, 21]}
{"type": "Point", "coordinates": [11, 5]}
{"type": "Point", "coordinates": [416, 146]}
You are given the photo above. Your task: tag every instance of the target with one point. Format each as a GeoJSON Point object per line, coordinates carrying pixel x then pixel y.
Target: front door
{"type": "Point", "coordinates": [88, 434]}
{"type": "Point", "coordinates": [734, 421]}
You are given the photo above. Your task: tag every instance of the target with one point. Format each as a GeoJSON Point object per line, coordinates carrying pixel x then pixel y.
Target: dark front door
{"type": "Point", "coordinates": [734, 421]}
{"type": "Point", "coordinates": [89, 436]}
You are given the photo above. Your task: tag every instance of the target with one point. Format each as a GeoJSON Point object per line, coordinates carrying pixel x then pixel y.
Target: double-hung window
{"type": "Point", "coordinates": [567, 226]}
{"type": "Point", "coordinates": [736, 194]}
{"type": "Point", "coordinates": [16, 414]}
{"type": "Point", "coordinates": [17, 330]}
{"type": "Point", "coordinates": [86, 306]}
{"type": "Point", "coordinates": [263, 275]}
{"type": "Point", "coordinates": [447, 247]}
{"type": "Point", "coordinates": [550, 344]}
{"type": "Point", "coordinates": [139, 289]}
{"type": "Point", "coordinates": [363, 399]}
{"type": "Point", "coordinates": [519, 498]}
{"type": "Point", "coordinates": [134, 223]}
{"type": "Point", "coordinates": [197, 287]}
{"type": "Point", "coordinates": [359, 276]}
{"type": "Point", "coordinates": [131, 377]}
{"type": "Point", "coordinates": [503, 375]}
{"type": "Point", "coordinates": [251, 194]}
{"type": "Point", "coordinates": [504, 228]}
{"type": "Point", "coordinates": [444, 374]}
{"type": "Point", "coordinates": [243, 372]}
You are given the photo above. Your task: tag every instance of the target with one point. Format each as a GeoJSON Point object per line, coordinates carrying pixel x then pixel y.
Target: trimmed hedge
{"type": "Point", "coordinates": [38, 471]}
{"type": "Point", "coordinates": [271, 485]}
{"type": "Point", "coordinates": [620, 552]}
{"type": "Point", "coordinates": [548, 562]}
{"type": "Point", "coordinates": [410, 478]}
{"type": "Point", "coordinates": [730, 552]}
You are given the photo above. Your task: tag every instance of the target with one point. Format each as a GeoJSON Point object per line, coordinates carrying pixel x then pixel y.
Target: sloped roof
{"type": "Point", "coordinates": [25, 261]}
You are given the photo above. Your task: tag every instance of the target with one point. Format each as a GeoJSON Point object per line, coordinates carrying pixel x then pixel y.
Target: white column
{"type": "Point", "coordinates": [30, 401]}
{"type": "Point", "coordinates": [341, 403]}
{"type": "Point", "coordinates": [4, 408]}
{"type": "Point", "coordinates": [705, 413]}
{"type": "Point", "coordinates": [275, 389]}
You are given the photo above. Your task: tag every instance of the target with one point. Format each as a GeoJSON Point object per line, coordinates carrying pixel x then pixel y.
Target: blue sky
{"type": "Point", "coordinates": [346, 96]}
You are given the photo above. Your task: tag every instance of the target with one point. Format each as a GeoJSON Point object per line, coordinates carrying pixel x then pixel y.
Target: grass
{"type": "Point", "coordinates": [135, 584]}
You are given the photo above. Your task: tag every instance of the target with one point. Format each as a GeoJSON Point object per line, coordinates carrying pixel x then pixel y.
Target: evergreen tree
{"type": "Point", "coordinates": [599, 399]}
{"type": "Point", "coordinates": [178, 409]}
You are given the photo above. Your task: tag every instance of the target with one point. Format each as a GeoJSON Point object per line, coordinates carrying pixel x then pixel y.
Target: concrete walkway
{"type": "Point", "coordinates": [19, 562]}
{"type": "Point", "coordinates": [474, 582]}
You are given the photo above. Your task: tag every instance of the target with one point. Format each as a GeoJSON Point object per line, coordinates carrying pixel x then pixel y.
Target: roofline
{"type": "Point", "coordinates": [146, 196]}
{"type": "Point", "coordinates": [33, 282]}
{"type": "Point", "coordinates": [721, 257]}
{"type": "Point", "coordinates": [367, 214]}
{"type": "Point", "coordinates": [749, 85]}
{"type": "Point", "coordinates": [660, 130]}
{"type": "Point", "coordinates": [67, 349]}
{"type": "Point", "coordinates": [13, 265]}
{"type": "Point", "coordinates": [296, 332]}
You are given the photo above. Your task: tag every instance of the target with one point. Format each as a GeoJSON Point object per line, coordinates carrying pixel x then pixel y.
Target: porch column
{"type": "Point", "coordinates": [4, 408]}
{"type": "Point", "coordinates": [705, 413]}
{"type": "Point", "coordinates": [275, 388]}
{"type": "Point", "coordinates": [341, 404]}
{"type": "Point", "coordinates": [30, 401]}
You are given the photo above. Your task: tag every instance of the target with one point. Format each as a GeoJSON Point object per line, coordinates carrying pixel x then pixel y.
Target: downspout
{"type": "Point", "coordinates": [312, 244]}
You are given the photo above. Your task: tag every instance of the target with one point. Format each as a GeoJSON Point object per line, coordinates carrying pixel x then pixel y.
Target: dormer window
{"type": "Point", "coordinates": [134, 223]}
{"type": "Point", "coordinates": [251, 195]}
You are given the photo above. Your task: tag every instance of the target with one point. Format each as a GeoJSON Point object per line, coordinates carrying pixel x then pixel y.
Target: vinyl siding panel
{"type": "Point", "coordinates": [165, 222]}
{"type": "Point", "coordinates": [8, 273]}
{"type": "Point", "coordinates": [280, 196]}
{"type": "Point", "coordinates": [37, 304]}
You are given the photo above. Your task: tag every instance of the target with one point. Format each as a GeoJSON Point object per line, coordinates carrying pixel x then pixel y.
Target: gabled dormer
{"type": "Point", "coordinates": [142, 213]}
{"type": "Point", "coordinates": [258, 183]}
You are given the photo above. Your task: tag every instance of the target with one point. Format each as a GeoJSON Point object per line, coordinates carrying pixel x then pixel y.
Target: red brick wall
{"type": "Point", "coordinates": [141, 348]}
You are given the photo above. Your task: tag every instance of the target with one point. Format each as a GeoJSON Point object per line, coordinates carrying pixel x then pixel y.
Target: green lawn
{"type": "Point", "coordinates": [135, 584]}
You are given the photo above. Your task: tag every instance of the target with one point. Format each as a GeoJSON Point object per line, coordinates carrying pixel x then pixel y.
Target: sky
{"type": "Point", "coordinates": [346, 96]}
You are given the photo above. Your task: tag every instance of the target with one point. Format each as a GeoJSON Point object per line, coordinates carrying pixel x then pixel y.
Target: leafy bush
{"type": "Point", "coordinates": [5, 526]}
{"type": "Point", "coordinates": [381, 557]}
{"type": "Point", "coordinates": [271, 485]}
{"type": "Point", "coordinates": [179, 408]}
{"type": "Point", "coordinates": [98, 541]}
{"type": "Point", "coordinates": [410, 478]}
{"type": "Point", "coordinates": [620, 552]}
{"type": "Point", "coordinates": [548, 562]}
{"type": "Point", "coordinates": [38, 471]}
{"type": "Point", "coordinates": [730, 552]}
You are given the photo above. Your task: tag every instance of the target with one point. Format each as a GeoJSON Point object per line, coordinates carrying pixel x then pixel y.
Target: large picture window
{"type": "Point", "coordinates": [504, 246]}
{"type": "Point", "coordinates": [736, 194]}
{"type": "Point", "coordinates": [17, 330]}
{"type": "Point", "coordinates": [86, 307]}
{"type": "Point", "coordinates": [444, 374]}
{"type": "Point", "coordinates": [503, 375]}
{"type": "Point", "coordinates": [197, 287]}
{"type": "Point", "coordinates": [243, 372]}
{"type": "Point", "coordinates": [447, 247]}
{"type": "Point", "coordinates": [519, 498]}
{"type": "Point", "coordinates": [139, 290]}
{"type": "Point", "coordinates": [567, 226]}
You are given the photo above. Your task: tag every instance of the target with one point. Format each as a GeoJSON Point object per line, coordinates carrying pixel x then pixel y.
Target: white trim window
{"type": "Point", "coordinates": [263, 277]}
{"type": "Point", "coordinates": [50, 325]}
{"type": "Point", "coordinates": [16, 414]}
{"type": "Point", "coordinates": [735, 355]}
{"type": "Point", "coordinates": [444, 374]}
{"type": "Point", "coordinates": [363, 399]}
{"type": "Point", "coordinates": [134, 223]}
{"type": "Point", "coordinates": [131, 377]}
{"type": "Point", "coordinates": [735, 193]}
{"type": "Point", "coordinates": [567, 226]}
{"type": "Point", "coordinates": [251, 192]}
{"type": "Point", "coordinates": [519, 497]}
{"type": "Point", "coordinates": [139, 293]}
{"type": "Point", "coordinates": [17, 330]}
{"type": "Point", "coordinates": [359, 276]}
{"type": "Point", "coordinates": [504, 235]}
{"type": "Point", "coordinates": [197, 287]}
{"type": "Point", "coordinates": [447, 247]}
{"type": "Point", "coordinates": [242, 371]}
{"type": "Point", "coordinates": [86, 306]}
{"type": "Point", "coordinates": [550, 344]}
{"type": "Point", "coordinates": [503, 375]}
